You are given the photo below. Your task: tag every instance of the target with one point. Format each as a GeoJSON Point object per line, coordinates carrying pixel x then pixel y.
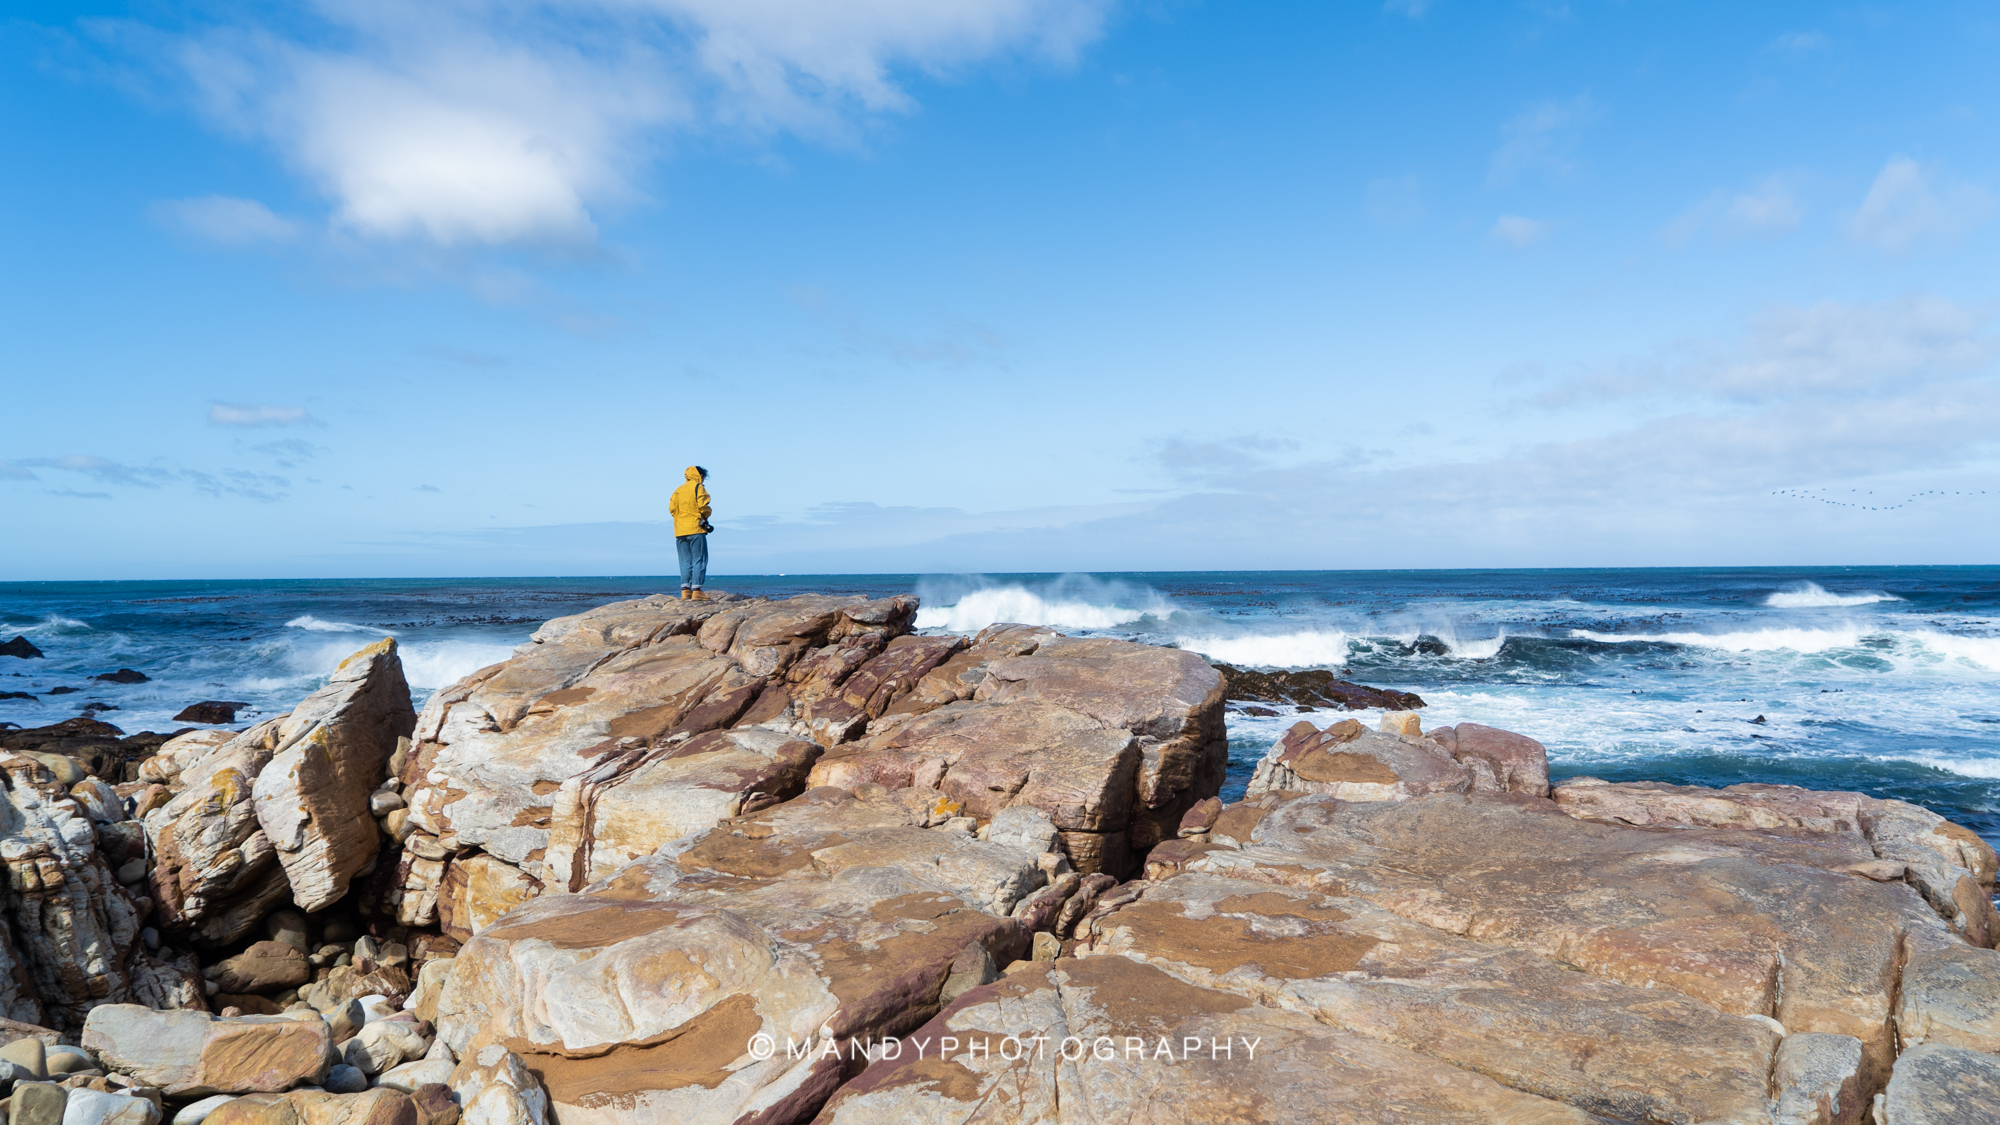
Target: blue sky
{"type": "Point", "coordinates": [361, 287]}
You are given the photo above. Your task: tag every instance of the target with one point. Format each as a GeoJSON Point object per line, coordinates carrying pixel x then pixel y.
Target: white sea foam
{"type": "Point", "coordinates": [1950, 763]}
{"type": "Point", "coordinates": [1310, 648]}
{"type": "Point", "coordinates": [1748, 640]}
{"type": "Point", "coordinates": [1020, 605]}
{"type": "Point", "coordinates": [1982, 651]}
{"type": "Point", "coordinates": [429, 665]}
{"type": "Point", "coordinates": [1810, 595]}
{"type": "Point", "coordinates": [314, 624]}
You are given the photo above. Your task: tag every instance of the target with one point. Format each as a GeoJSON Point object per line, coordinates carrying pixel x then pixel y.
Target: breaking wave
{"type": "Point", "coordinates": [1749, 640]}
{"type": "Point", "coordinates": [314, 624]}
{"type": "Point", "coordinates": [1810, 595]}
{"type": "Point", "coordinates": [1018, 604]}
{"type": "Point", "coordinates": [1309, 648]}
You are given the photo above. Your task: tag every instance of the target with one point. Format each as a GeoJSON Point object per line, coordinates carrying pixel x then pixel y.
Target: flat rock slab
{"type": "Point", "coordinates": [195, 1053]}
{"type": "Point", "coordinates": [1109, 1039]}
{"type": "Point", "coordinates": [638, 1008]}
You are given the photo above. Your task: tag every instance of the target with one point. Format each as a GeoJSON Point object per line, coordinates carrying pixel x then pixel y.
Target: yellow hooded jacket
{"type": "Point", "coordinates": [690, 505]}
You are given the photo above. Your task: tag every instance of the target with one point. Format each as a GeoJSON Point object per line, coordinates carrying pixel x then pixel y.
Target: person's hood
{"type": "Point", "coordinates": [693, 473]}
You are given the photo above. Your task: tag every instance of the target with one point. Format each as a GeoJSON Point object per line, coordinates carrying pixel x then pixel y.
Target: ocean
{"type": "Point", "coordinates": [1877, 679]}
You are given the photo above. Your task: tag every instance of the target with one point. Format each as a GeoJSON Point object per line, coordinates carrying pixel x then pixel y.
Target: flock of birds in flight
{"type": "Point", "coordinates": [1814, 494]}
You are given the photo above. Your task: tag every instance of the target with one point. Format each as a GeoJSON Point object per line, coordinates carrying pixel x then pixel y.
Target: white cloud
{"type": "Point", "coordinates": [232, 414]}
{"type": "Point", "coordinates": [225, 219]}
{"type": "Point", "coordinates": [1543, 137]}
{"type": "Point", "coordinates": [465, 122]}
{"type": "Point", "coordinates": [1520, 232]}
{"type": "Point", "coordinates": [1908, 205]}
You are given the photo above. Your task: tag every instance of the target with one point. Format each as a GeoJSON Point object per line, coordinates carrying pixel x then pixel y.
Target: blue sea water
{"type": "Point", "coordinates": [1879, 679]}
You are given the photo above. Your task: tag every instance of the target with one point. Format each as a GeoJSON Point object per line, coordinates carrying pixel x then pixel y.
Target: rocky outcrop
{"type": "Point", "coordinates": [1348, 761]}
{"type": "Point", "coordinates": [21, 647]}
{"type": "Point", "coordinates": [614, 732]}
{"type": "Point", "coordinates": [783, 861]}
{"type": "Point", "coordinates": [1314, 687]}
{"type": "Point", "coordinates": [68, 931]}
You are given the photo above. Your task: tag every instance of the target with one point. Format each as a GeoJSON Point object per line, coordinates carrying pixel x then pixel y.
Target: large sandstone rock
{"type": "Point", "coordinates": [1952, 867]}
{"type": "Point", "coordinates": [195, 1054]}
{"type": "Point", "coordinates": [68, 931]}
{"type": "Point", "coordinates": [614, 693]}
{"type": "Point", "coordinates": [1111, 1039]}
{"type": "Point", "coordinates": [282, 808]}
{"type": "Point", "coordinates": [311, 798]}
{"type": "Point", "coordinates": [617, 731]}
{"type": "Point", "coordinates": [1348, 761]}
{"type": "Point", "coordinates": [834, 915]}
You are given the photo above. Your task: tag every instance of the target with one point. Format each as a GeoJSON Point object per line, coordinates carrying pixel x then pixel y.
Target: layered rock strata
{"type": "Point", "coordinates": [755, 861]}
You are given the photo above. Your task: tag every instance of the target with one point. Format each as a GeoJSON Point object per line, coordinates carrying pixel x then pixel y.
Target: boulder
{"type": "Point", "coordinates": [195, 1054]}
{"type": "Point", "coordinates": [1315, 687]}
{"type": "Point", "coordinates": [280, 810]}
{"type": "Point", "coordinates": [21, 647]}
{"type": "Point", "coordinates": [333, 751]}
{"type": "Point", "coordinates": [267, 966]}
{"type": "Point", "coordinates": [123, 676]}
{"type": "Point", "coordinates": [37, 1103]}
{"type": "Point", "coordinates": [1355, 764]}
{"type": "Point", "coordinates": [209, 711]}
{"type": "Point", "coordinates": [215, 874]}
{"type": "Point", "coordinates": [70, 931]}
{"type": "Point", "coordinates": [92, 1107]}
{"type": "Point", "coordinates": [1501, 761]}
{"type": "Point", "coordinates": [1818, 1081]}
{"type": "Point", "coordinates": [495, 1088]}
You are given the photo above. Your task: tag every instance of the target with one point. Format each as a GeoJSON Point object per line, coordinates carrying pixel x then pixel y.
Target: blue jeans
{"type": "Point", "coordinates": [693, 550]}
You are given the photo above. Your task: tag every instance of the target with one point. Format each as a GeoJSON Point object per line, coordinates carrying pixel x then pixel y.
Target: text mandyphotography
{"type": "Point", "coordinates": [1013, 1048]}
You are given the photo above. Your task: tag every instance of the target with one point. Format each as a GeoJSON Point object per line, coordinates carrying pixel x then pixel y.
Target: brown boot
{"type": "Point", "coordinates": [684, 593]}
{"type": "Point", "coordinates": [697, 595]}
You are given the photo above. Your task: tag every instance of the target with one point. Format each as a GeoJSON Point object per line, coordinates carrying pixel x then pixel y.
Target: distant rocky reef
{"type": "Point", "coordinates": [786, 861]}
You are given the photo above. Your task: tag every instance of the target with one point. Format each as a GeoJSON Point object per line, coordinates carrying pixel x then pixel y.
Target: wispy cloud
{"type": "Point", "coordinates": [1197, 460]}
{"type": "Point", "coordinates": [15, 472]}
{"type": "Point", "coordinates": [73, 494]}
{"type": "Point", "coordinates": [262, 487]}
{"type": "Point", "coordinates": [1909, 205]}
{"type": "Point", "coordinates": [1768, 209]}
{"type": "Point", "coordinates": [106, 471]}
{"type": "Point", "coordinates": [1520, 232]}
{"type": "Point", "coordinates": [226, 220]}
{"type": "Point", "coordinates": [462, 123]}
{"type": "Point", "coordinates": [1543, 138]}
{"type": "Point", "coordinates": [1843, 353]}
{"type": "Point", "coordinates": [241, 414]}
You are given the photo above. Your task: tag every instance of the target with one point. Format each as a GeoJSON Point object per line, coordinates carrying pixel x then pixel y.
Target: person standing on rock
{"type": "Point", "coordinates": [691, 528]}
